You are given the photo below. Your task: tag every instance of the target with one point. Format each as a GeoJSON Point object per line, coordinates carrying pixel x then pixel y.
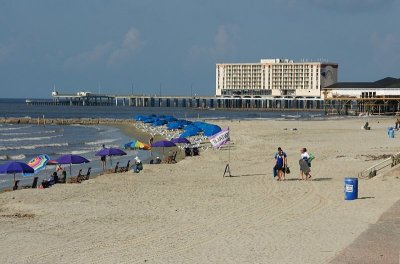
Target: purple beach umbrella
{"type": "Point", "coordinates": [110, 152]}
{"type": "Point", "coordinates": [71, 159]}
{"type": "Point", "coordinates": [181, 140]}
{"type": "Point", "coordinates": [15, 167]}
{"type": "Point", "coordinates": [163, 144]}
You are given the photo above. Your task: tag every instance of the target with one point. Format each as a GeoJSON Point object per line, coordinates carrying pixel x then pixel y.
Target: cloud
{"type": "Point", "coordinates": [109, 53]}
{"type": "Point", "coordinates": [223, 45]}
{"type": "Point", "coordinates": [88, 58]}
{"type": "Point", "coordinates": [129, 45]}
{"type": "Point", "coordinates": [346, 6]}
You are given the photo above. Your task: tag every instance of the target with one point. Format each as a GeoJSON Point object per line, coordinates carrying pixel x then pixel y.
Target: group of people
{"type": "Point", "coordinates": [281, 167]}
{"type": "Point", "coordinates": [54, 178]}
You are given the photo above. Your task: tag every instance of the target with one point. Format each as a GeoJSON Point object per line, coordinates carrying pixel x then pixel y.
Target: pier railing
{"type": "Point", "coordinates": [379, 167]}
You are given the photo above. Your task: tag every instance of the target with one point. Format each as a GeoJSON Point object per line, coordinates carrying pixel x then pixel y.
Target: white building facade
{"type": "Point", "coordinates": [274, 78]}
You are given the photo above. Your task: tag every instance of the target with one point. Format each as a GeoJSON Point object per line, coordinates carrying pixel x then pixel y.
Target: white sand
{"type": "Point", "coordinates": [189, 213]}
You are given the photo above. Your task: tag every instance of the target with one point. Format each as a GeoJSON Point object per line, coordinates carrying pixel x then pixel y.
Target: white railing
{"type": "Point", "coordinates": [387, 163]}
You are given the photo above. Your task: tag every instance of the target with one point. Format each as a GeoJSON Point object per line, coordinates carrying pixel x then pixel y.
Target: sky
{"type": "Point", "coordinates": [172, 46]}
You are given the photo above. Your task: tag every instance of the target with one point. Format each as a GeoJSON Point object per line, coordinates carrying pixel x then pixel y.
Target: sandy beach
{"type": "Point", "coordinates": [188, 213]}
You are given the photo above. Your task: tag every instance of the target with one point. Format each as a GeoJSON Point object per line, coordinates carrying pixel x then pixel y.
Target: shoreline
{"type": "Point", "coordinates": [190, 212]}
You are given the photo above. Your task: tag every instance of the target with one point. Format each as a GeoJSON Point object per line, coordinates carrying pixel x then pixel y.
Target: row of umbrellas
{"type": "Point", "coordinates": [41, 161]}
{"type": "Point", "coordinates": [189, 128]}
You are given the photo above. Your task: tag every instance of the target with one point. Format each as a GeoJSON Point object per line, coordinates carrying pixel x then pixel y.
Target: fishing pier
{"type": "Point", "coordinates": [341, 105]}
{"type": "Point", "coordinates": [201, 102]}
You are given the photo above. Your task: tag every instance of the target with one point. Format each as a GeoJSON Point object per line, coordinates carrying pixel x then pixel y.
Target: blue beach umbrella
{"type": "Point", "coordinates": [170, 118]}
{"type": "Point", "coordinates": [174, 125]}
{"type": "Point", "coordinates": [160, 122]}
{"type": "Point", "coordinates": [140, 117]}
{"type": "Point", "coordinates": [192, 128]}
{"type": "Point", "coordinates": [149, 120]}
{"type": "Point", "coordinates": [15, 167]}
{"type": "Point", "coordinates": [185, 122]}
{"type": "Point", "coordinates": [188, 133]}
{"type": "Point", "coordinates": [201, 125]}
{"type": "Point", "coordinates": [211, 130]}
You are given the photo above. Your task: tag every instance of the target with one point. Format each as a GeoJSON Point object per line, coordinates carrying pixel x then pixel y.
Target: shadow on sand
{"type": "Point", "coordinates": [366, 197]}
{"type": "Point", "coordinates": [321, 179]}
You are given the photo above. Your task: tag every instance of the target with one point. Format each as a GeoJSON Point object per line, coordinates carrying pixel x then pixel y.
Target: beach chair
{"type": "Point", "coordinates": [34, 184]}
{"type": "Point", "coordinates": [125, 169]}
{"type": "Point", "coordinates": [173, 158]}
{"type": "Point", "coordinates": [116, 167]}
{"type": "Point", "coordinates": [188, 152]}
{"type": "Point", "coordinates": [196, 151]}
{"type": "Point", "coordinates": [64, 178]}
{"type": "Point", "coordinates": [76, 179]}
{"type": "Point", "coordinates": [86, 177]}
{"type": "Point", "coordinates": [15, 187]}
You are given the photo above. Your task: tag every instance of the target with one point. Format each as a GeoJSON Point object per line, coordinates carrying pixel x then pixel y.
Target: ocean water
{"type": "Point", "coordinates": [23, 142]}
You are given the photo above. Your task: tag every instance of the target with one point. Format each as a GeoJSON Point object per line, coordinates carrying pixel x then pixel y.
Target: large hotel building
{"type": "Point", "coordinates": [274, 78]}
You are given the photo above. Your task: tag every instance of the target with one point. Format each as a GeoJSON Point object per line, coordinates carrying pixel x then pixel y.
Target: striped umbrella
{"type": "Point", "coordinates": [37, 164]}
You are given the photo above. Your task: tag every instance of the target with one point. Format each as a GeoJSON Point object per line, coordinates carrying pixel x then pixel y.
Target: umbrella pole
{"type": "Point", "coordinates": [111, 160]}
{"type": "Point", "coordinates": [14, 178]}
{"type": "Point", "coordinates": [70, 169]}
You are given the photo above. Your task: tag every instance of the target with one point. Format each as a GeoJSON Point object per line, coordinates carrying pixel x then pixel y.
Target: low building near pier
{"type": "Point", "coordinates": [386, 88]}
{"type": "Point", "coordinates": [379, 97]}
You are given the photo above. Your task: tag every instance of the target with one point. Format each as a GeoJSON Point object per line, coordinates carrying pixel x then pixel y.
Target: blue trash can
{"type": "Point", "coordinates": [350, 188]}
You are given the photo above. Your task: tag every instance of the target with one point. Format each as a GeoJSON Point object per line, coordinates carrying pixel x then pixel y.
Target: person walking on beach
{"type": "Point", "coordinates": [103, 161]}
{"type": "Point", "coordinates": [397, 123]}
{"type": "Point", "coordinates": [305, 171]}
{"type": "Point", "coordinates": [280, 164]}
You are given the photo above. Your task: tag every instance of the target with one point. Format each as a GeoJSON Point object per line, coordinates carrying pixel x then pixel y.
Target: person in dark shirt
{"type": "Point", "coordinates": [280, 164]}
